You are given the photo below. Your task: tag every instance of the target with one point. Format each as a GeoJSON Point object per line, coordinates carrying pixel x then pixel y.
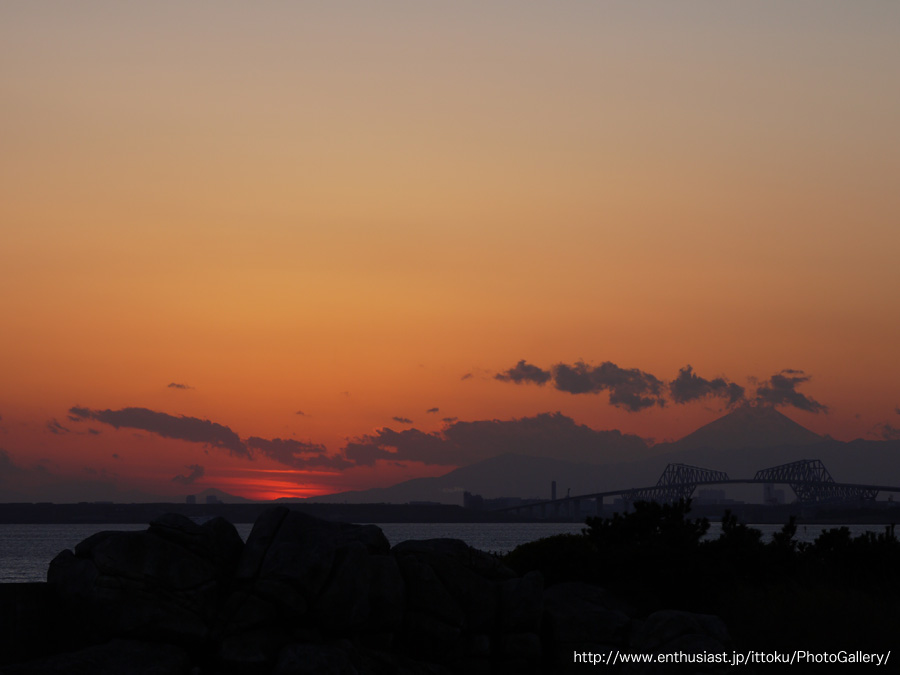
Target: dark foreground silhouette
{"type": "Point", "coordinates": [307, 596]}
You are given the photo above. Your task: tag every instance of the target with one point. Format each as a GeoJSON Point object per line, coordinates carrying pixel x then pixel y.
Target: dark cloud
{"type": "Point", "coordinates": [628, 388]}
{"type": "Point", "coordinates": [14, 478]}
{"type": "Point", "coordinates": [297, 454]}
{"type": "Point", "coordinates": [781, 389]}
{"type": "Point", "coordinates": [178, 385]}
{"type": "Point", "coordinates": [467, 376]}
{"type": "Point", "coordinates": [54, 427]}
{"type": "Point", "coordinates": [524, 372]}
{"type": "Point", "coordinates": [182, 428]}
{"type": "Point", "coordinates": [301, 413]}
{"type": "Point", "coordinates": [37, 484]}
{"type": "Point", "coordinates": [433, 410]}
{"type": "Point", "coordinates": [197, 471]}
{"type": "Point", "coordinates": [99, 473]}
{"type": "Point", "coordinates": [690, 387]}
{"type": "Point", "coordinates": [94, 432]}
{"type": "Point", "coordinates": [449, 420]}
{"type": "Point", "coordinates": [888, 432]}
{"type": "Point", "coordinates": [545, 435]}
{"type": "Point", "coordinates": [407, 445]}
{"type": "Point", "coordinates": [897, 410]}
{"type": "Point", "coordinates": [288, 452]}
{"type": "Point", "coordinates": [115, 455]}
{"type": "Point", "coordinates": [402, 420]}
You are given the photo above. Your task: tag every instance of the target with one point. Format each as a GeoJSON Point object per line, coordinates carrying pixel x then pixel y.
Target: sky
{"type": "Point", "coordinates": [288, 249]}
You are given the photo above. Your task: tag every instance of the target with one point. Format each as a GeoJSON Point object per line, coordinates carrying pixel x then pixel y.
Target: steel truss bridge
{"type": "Point", "coordinates": [808, 478]}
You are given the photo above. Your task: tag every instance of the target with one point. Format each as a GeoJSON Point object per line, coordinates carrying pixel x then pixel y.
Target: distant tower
{"type": "Point", "coordinates": [553, 489]}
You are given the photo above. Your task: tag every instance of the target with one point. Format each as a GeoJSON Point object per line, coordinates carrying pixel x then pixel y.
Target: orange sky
{"type": "Point", "coordinates": [344, 208]}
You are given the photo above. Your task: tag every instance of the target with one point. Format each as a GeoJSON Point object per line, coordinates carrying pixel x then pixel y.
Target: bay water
{"type": "Point", "coordinates": [26, 550]}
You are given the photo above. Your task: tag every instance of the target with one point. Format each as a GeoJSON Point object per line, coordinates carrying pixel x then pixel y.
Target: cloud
{"type": "Point", "coordinates": [781, 389]}
{"type": "Point", "coordinates": [19, 483]}
{"type": "Point", "coordinates": [178, 385]}
{"type": "Point", "coordinates": [11, 472]}
{"type": "Point", "coordinates": [37, 484]}
{"type": "Point", "coordinates": [182, 428]}
{"type": "Point", "coordinates": [301, 413]}
{"type": "Point", "coordinates": [524, 372]}
{"type": "Point", "coordinates": [888, 432]}
{"type": "Point", "coordinates": [635, 390]}
{"type": "Point", "coordinates": [197, 471]}
{"type": "Point", "coordinates": [433, 410]}
{"type": "Point", "coordinates": [288, 452]}
{"type": "Point", "coordinates": [297, 454]}
{"type": "Point", "coordinates": [690, 387]}
{"type": "Point", "coordinates": [402, 420]}
{"type": "Point", "coordinates": [545, 435]}
{"type": "Point", "coordinates": [628, 388]}
{"type": "Point", "coordinates": [54, 427]}
{"type": "Point", "coordinates": [449, 420]}
{"type": "Point", "coordinates": [467, 376]}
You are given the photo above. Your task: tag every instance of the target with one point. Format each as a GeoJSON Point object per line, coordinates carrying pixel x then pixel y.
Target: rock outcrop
{"type": "Point", "coordinates": [306, 596]}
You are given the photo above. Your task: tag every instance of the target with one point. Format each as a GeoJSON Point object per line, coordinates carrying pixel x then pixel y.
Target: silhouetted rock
{"type": "Point", "coordinates": [580, 617]}
{"type": "Point", "coordinates": [117, 657]}
{"type": "Point", "coordinates": [160, 584]}
{"type": "Point", "coordinates": [521, 603]}
{"type": "Point", "coordinates": [304, 659]}
{"type": "Point", "coordinates": [684, 633]}
{"type": "Point", "coordinates": [387, 596]}
{"type": "Point", "coordinates": [307, 596]}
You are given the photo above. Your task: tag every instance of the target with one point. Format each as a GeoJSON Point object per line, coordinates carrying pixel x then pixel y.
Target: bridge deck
{"type": "Point", "coordinates": [730, 481]}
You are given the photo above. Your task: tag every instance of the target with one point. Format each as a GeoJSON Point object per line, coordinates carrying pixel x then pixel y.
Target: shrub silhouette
{"type": "Point", "coordinates": [837, 590]}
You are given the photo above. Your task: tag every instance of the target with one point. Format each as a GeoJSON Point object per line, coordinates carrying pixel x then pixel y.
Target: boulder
{"type": "Point", "coordinates": [671, 631]}
{"type": "Point", "coordinates": [306, 659]}
{"type": "Point", "coordinates": [161, 584]}
{"type": "Point", "coordinates": [521, 603]}
{"type": "Point", "coordinates": [117, 657]}
{"type": "Point", "coordinates": [579, 617]}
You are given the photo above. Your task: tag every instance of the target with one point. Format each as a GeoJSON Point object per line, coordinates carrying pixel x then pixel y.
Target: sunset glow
{"type": "Point", "coordinates": [308, 225]}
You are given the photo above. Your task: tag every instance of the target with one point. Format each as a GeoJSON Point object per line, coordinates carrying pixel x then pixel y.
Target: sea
{"type": "Point", "coordinates": [26, 550]}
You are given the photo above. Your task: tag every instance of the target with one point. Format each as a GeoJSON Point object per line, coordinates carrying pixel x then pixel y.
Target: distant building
{"type": "Point", "coordinates": [473, 501]}
{"type": "Point", "coordinates": [771, 495]}
{"type": "Point", "coordinates": [212, 499]}
{"type": "Point", "coordinates": [710, 496]}
{"type": "Point", "coordinates": [191, 499]}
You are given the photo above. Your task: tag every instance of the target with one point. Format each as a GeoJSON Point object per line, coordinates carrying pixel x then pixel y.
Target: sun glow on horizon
{"type": "Point", "coordinates": [226, 216]}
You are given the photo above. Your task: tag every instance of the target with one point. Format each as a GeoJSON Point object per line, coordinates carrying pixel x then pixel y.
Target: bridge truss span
{"type": "Point", "coordinates": [678, 481]}
{"type": "Point", "coordinates": [813, 484]}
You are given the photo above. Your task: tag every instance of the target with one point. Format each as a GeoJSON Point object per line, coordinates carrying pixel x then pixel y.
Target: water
{"type": "Point", "coordinates": [26, 550]}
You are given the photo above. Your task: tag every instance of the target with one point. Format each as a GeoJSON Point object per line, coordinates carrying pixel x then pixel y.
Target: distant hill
{"type": "Point", "coordinates": [746, 427]}
{"type": "Point", "coordinates": [740, 443]}
{"type": "Point", "coordinates": [223, 497]}
{"type": "Point", "coordinates": [507, 475]}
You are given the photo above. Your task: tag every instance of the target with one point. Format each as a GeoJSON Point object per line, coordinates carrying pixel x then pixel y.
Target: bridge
{"type": "Point", "coordinates": [808, 478]}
